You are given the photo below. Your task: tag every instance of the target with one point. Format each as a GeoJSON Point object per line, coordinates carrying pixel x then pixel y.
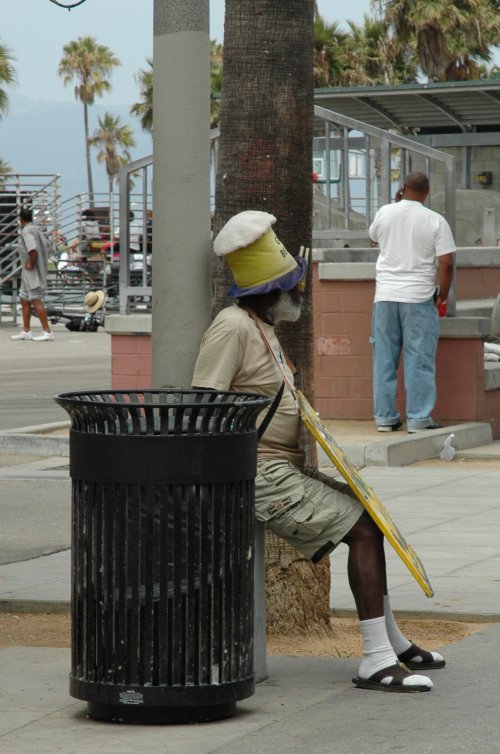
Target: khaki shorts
{"type": "Point", "coordinates": [311, 511]}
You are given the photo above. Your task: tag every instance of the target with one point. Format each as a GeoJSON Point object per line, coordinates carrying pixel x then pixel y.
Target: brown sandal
{"type": "Point", "coordinates": [428, 661]}
{"type": "Point", "coordinates": [397, 673]}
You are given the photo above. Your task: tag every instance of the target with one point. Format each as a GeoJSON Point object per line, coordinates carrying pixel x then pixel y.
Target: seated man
{"type": "Point", "coordinates": [67, 261]}
{"type": "Point", "coordinates": [313, 512]}
{"type": "Point", "coordinates": [89, 230]}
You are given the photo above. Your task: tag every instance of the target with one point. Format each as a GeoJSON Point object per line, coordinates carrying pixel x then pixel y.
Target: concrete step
{"type": "Point", "coordinates": [475, 307]}
{"type": "Point", "coordinates": [401, 448]}
{"type": "Point", "coordinates": [360, 441]}
{"type": "Point", "coordinates": [41, 440]}
{"type": "Point", "coordinates": [489, 452]}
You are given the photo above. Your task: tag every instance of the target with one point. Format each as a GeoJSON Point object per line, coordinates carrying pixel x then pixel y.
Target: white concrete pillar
{"type": "Point", "coordinates": [181, 216]}
{"type": "Point", "coordinates": [181, 188]}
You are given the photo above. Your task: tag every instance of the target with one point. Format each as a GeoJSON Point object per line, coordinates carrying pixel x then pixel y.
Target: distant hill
{"type": "Point", "coordinates": [47, 137]}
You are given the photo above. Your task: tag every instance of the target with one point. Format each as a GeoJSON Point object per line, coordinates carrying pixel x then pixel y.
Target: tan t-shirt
{"type": "Point", "coordinates": [234, 356]}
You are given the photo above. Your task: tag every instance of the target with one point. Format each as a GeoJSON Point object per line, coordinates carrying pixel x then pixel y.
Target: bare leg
{"type": "Point", "coordinates": [366, 571]}
{"type": "Point", "coordinates": [42, 314]}
{"type": "Point", "coordinates": [26, 312]}
{"type": "Point", "coordinates": [366, 567]}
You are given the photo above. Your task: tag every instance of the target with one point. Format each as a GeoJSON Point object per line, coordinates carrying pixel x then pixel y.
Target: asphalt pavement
{"type": "Point", "coordinates": [448, 511]}
{"type": "Point", "coordinates": [32, 373]}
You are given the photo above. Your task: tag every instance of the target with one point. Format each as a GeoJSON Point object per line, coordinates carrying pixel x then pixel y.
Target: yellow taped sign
{"type": "Point", "coordinates": [364, 493]}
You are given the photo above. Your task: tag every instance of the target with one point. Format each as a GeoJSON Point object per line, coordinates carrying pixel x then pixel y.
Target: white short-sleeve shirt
{"type": "Point", "coordinates": [411, 237]}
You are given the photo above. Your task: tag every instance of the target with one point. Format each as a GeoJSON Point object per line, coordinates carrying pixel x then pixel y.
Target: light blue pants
{"type": "Point", "coordinates": [413, 330]}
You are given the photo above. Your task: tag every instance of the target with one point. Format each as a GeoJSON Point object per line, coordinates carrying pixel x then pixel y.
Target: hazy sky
{"type": "Point", "coordinates": [36, 31]}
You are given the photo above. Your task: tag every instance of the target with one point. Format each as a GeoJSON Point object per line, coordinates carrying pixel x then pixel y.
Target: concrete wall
{"type": "Point", "coordinates": [473, 200]}
{"type": "Point", "coordinates": [131, 351]}
{"type": "Point", "coordinates": [343, 298]}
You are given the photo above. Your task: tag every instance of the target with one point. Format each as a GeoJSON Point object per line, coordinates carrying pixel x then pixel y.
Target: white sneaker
{"type": "Point", "coordinates": [45, 336]}
{"type": "Point", "coordinates": [23, 335]}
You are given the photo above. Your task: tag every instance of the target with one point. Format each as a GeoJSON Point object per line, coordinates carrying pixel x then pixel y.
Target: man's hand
{"type": "Point", "coordinates": [445, 275]}
{"type": "Point", "coordinates": [440, 304]}
{"type": "Point", "coordinates": [32, 256]}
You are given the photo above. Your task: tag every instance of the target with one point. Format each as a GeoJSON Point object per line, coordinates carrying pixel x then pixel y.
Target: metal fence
{"type": "Point", "coordinates": [38, 192]}
{"type": "Point", "coordinates": [357, 168]}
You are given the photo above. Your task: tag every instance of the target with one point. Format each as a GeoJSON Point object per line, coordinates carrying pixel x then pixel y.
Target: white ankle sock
{"type": "Point", "coordinates": [399, 642]}
{"type": "Point", "coordinates": [377, 650]}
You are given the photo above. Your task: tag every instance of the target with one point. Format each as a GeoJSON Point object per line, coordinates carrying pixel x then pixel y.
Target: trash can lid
{"type": "Point", "coordinates": [162, 412]}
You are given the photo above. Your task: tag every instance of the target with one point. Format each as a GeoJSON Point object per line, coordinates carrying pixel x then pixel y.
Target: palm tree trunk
{"type": "Point", "coordinates": [265, 163]}
{"type": "Point", "coordinates": [90, 182]}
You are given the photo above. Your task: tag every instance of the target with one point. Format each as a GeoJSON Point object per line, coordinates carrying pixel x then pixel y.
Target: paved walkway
{"type": "Point", "coordinates": [448, 511]}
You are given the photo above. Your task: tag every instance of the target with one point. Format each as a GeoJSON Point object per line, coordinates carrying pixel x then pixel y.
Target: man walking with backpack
{"type": "Point", "coordinates": [34, 256]}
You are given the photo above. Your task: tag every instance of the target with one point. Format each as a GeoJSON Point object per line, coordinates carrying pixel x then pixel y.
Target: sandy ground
{"type": "Point", "coordinates": [346, 641]}
{"type": "Point", "coordinates": [25, 629]}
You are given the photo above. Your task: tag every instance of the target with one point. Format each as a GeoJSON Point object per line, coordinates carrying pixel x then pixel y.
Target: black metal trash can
{"type": "Point", "coordinates": [162, 552]}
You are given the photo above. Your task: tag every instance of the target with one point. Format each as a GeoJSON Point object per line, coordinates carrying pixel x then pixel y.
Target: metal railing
{"type": "Point", "coordinates": [361, 168]}
{"type": "Point", "coordinates": [71, 218]}
{"type": "Point", "coordinates": [136, 212]}
{"type": "Point", "coordinates": [135, 186]}
{"type": "Point", "coordinates": [83, 259]}
{"type": "Point", "coordinates": [385, 159]}
{"type": "Point", "coordinates": [38, 192]}
{"type": "Point", "coordinates": [75, 264]}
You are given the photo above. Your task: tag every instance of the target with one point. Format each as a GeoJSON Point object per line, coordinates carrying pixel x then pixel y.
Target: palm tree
{"type": "Point", "coordinates": [371, 48]}
{"type": "Point", "coordinates": [331, 67]}
{"type": "Point", "coordinates": [113, 140]}
{"type": "Point", "coordinates": [90, 65]}
{"type": "Point", "coordinates": [5, 169]}
{"type": "Point", "coordinates": [265, 163]}
{"type": "Point", "coordinates": [110, 137]}
{"type": "Point", "coordinates": [364, 55]}
{"type": "Point", "coordinates": [450, 37]}
{"type": "Point", "coordinates": [325, 43]}
{"type": "Point", "coordinates": [144, 108]}
{"type": "Point", "coordinates": [7, 76]}
{"type": "Point", "coordinates": [216, 62]}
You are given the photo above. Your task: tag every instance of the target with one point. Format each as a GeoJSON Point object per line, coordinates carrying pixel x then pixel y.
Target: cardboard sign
{"type": "Point", "coordinates": [364, 493]}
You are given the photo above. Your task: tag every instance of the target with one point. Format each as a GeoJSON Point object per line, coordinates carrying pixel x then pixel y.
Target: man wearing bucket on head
{"type": "Point", "coordinates": [314, 513]}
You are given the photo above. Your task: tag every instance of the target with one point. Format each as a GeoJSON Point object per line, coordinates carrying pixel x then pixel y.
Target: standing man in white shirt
{"type": "Point", "coordinates": [416, 253]}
